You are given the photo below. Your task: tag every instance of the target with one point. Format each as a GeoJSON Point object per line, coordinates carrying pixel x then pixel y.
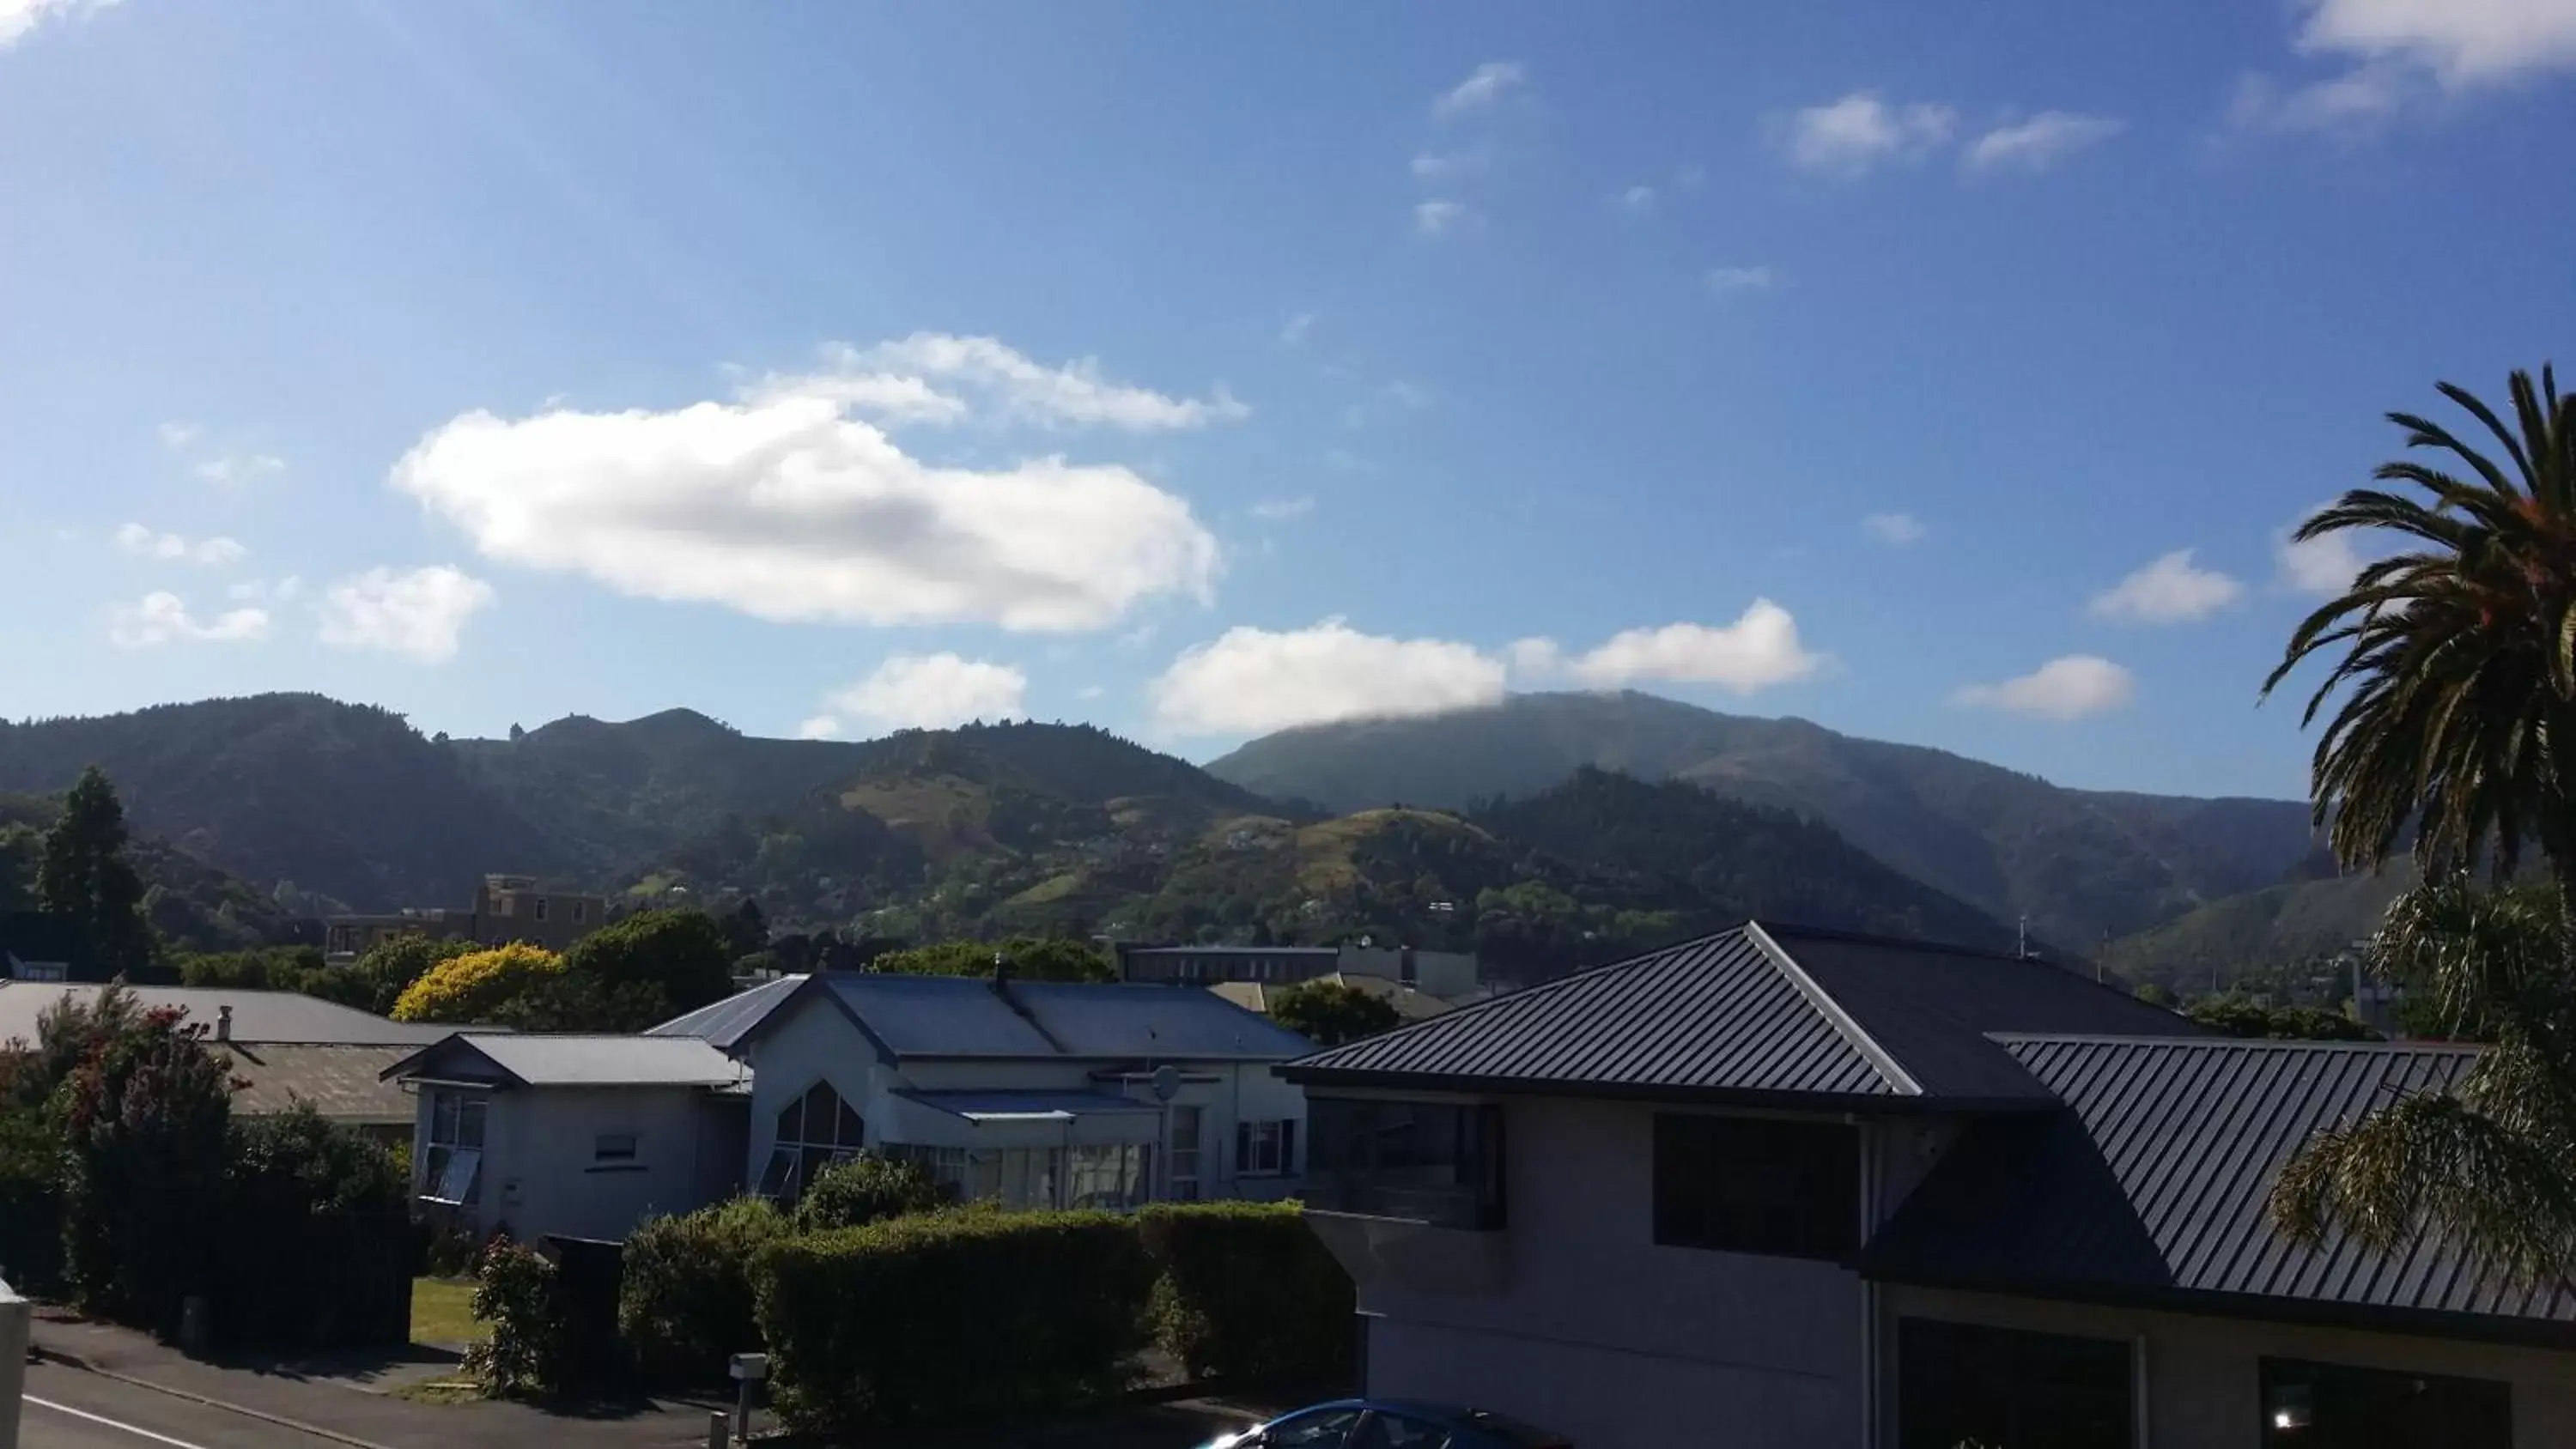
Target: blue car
{"type": "Point", "coordinates": [1391, 1424]}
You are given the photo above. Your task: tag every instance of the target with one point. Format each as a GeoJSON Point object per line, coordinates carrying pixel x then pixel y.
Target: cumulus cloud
{"type": "Point", "coordinates": [1249, 681]}
{"type": "Point", "coordinates": [2066, 688]}
{"type": "Point", "coordinates": [789, 509]}
{"type": "Point", "coordinates": [2460, 42]}
{"type": "Point", "coordinates": [1638, 201]}
{"type": "Point", "coordinates": [2170, 590]}
{"type": "Point", "coordinates": [2321, 566]}
{"type": "Point", "coordinates": [937, 378]}
{"type": "Point", "coordinates": [1731, 281]}
{"type": "Point", "coordinates": [268, 591]}
{"type": "Point", "coordinates": [2040, 142]}
{"type": "Point", "coordinates": [18, 18]}
{"type": "Point", "coordinates": [142, 542]}
{"type": "Point", "coordinates": [1759, 650]}
{"type": "Point", "coordinates": [420, 613]}
{"type": "Point", "coordinates": [1440, 216]}
{"type": "Point", "coordinates": [1281, 510]}
{"type": "Point", "coordinates": [1483, 87]}
{"type": "Point", "coordinates": [1856, 133]}
{"type": "Point", "coordinates": [1894, 529]}
{"type": "Point", "coordinates": [161, 617]}
{"type": "Point", "coordinates": [925, 691]}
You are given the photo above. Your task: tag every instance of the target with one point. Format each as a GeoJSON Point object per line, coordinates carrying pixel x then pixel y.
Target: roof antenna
{"type": "Point", "coordinates": [2021, 942]}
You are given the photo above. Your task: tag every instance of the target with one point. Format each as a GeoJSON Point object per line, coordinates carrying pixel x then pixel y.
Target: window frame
{"type": "Point", "coordinates": [1708, 1195]}
{"type": "Point", "coordinates": [449, 1147]}
{"type": "Point", "coordinates": [796, 1158]}
{"type": "Point", "coordinates": [606, 1147]}
{"type": "Point", "coordinates": [1278, 1135]}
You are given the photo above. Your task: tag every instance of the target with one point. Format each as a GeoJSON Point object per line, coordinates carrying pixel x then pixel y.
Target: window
{"type": "Point", "coordinates": [814, 1131]}
{"type": "Point", "coordinates": [1265, 1149]}
{"type": "Point", "coordinates": [452, 1168]}
{"type": "Point", "coordinates": [1015, 1177]}
{"type": "Point", "coordinates": [40, 970]}
{"type": "Point", "coordinates": [613, 1147]}
{"type": "Point", "coordinates": [542, 903]}
{"type": "Point", "coordinates": [2335, 1407]}
{"type": "Point", "coordinates": [1959, 1383]}
{"type": "Point", "coordinates": [1433, 1162]}
{"type": "Point", "coordinates": [1109, 1175]}
{"type": "Point", "coordinates": [579, 910]}
{"type": "Point", "coordinates": [1383, 1430]}
{"type": "Point", "coordinates": [1754, 1185]}
{"type": "Point", "coordinates": [1184, 1150]}
{"type": "Point", "coordinates": [1317, 1429]}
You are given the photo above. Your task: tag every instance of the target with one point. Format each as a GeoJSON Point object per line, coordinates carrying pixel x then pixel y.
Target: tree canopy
{"type": "Point", "coordinates": [1329, 1013]}
{"type": "Point", "coordinates": [1031, 958]}
{"type": "Point", "coordinates": [474, 989]}
{"type": "Point", "coordinates": [84, 875]}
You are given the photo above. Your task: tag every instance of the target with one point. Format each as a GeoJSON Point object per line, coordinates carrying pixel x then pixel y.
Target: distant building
{"type": "Point", "coordinates": [506, 908]}
{"type": "Point", "coordinates": [43, 946]}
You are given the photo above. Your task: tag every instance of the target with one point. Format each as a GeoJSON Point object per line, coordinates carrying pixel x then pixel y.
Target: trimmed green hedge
{"type": "Point", "coordinates": [1246, 1292]}
{"type": "Point", "coordinates": [685, 1303]}
{"type": "Point", "coordinates": [971, 1315]}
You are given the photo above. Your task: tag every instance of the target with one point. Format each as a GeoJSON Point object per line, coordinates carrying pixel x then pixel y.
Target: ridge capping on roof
{"type": "Point", "coordinates": [1880, 1059]}
{"type": "Point", "coordinates": [2232, 1043]}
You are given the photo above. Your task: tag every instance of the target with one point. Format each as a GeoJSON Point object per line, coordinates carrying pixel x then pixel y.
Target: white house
{"type": "Point", "coordinates": [1032, 1093]}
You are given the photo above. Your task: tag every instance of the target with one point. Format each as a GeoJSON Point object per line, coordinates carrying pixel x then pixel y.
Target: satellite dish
{"type": "Point", "coordinates": [1167, 1083]}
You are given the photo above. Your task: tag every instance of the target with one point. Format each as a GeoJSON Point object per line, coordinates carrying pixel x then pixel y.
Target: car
{"type": "Point", "coordinates": [1390, 1424]}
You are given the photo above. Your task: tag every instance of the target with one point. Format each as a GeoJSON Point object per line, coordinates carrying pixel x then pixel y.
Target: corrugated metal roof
{"type": "Point", "coordinates": [545, 1060]}
{"type": "Point", "coordinates": [1720, 1013]}
{"type": "Point", "coordinates": [343, 1083]}
{"type": "Point", "coordinates": [1088, 1019]}
{"type": "Point", "coordinates": [269, 1016]}
{"type": "Point", "coordinates": [723, 1023]}
{"type": "Point", "coordinates": [2156, 1182]}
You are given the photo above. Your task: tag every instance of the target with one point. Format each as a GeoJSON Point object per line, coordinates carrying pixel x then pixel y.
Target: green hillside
{"type": "Point", "coordinates": [2080, 864]}
{"type": "Point", "coordinates": [2281, 925]}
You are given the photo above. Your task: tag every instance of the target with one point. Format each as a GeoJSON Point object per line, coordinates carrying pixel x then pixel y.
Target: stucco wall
{"type": "Point", "coordinates": [2203, 1374]}
{"type": "Point", "coordinates": [561, 1188]}
{"type": "Point", "coordinates": [1599, 1334]}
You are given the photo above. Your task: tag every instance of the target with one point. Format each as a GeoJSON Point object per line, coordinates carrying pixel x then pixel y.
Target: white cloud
{"type": "Point", "coordinates": [1759, 650]}
{"type": "Point", "coordinates": [1638, 201]}
{"type": "Point", "coordinates": [2460, 42]}
{"type": "Point", "coordinates": [1851, 135]}
{"type": "Point", "coordinates": [173, 435]}
{"type": "Point", "coordinates": [1731, 281]}
{"type": "Point", "coordinates": [1897, 529]}
{"type": "Point", "coordinates": [2322, 566]}
{"type": "Point", "coordinates": [1297, 328]}
{"type": "Point", "coordinates": [2066, 688]}
{"type": "Point", "coordinates": [234, 468]}
{"type": "Point", "coordinates": [419, 613]}
{"type": "Point", "coordinates": [1248, 681]}
{"type": "Point", "coordinates": [1483, 86]}
{"type": "Point", "coordinates": [2345, 105]}
{"type": "Point", "coordinates": [142, 542]}
{"type": "Point", "coordinates": [2040, 142]}
{"type": "Point", "coordinates": [19, 17]}
{"type": "Point", "coordinates": [820, 727]}
{"type": "Point", "coordinates": [1441, 216]}
{"type": "Point", "coordinates": [789, 510]}
{"type": "Point", "coordinates": [2169, 590]}
{"type": "Point", "coordinates": [163, 618]}
{"type": "Point", "coordinates": [1281, 510]}
{"type": "Point", "coordinates": [267, 591]}
{"type": "Point", "coordinates": [930, 692]}
{"type": "Point", "coordinates": [937, 378]}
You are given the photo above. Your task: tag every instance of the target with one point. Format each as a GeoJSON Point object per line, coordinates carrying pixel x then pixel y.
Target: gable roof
{"type": "Point", "coordinates": [535, 1059]}
{"type": "Point", "coordinates": [258, 1016]}
{"type": "Point", "coordinates": [342, 1082]}
{"type": "Point", "coordinates": [1762, 1013]}
{"type": "Point", "coordinates": [906, 1016]}
{"type": "Point", "coordinates": [2153, 1188]}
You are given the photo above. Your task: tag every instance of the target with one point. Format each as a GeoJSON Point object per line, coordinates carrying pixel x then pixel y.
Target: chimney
{"type": "Point", "coordinates": [223, 1023]}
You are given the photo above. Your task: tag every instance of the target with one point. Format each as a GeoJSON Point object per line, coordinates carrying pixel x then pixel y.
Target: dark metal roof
{"type": "Point", "coordinates": [720, 1024]}
{"type": "Point", "coordinates": [2154, 1185]}
{"type": "Point", "coordinates": [1763, 1009]}
{"type": "Point", "coordinates": [968, 1016]}
{"type": "Point", "coordinates": [1717, 1013]}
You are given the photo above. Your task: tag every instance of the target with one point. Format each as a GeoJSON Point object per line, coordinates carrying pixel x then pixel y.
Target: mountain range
{"type": "Point", "coordinates": [1545, 831]}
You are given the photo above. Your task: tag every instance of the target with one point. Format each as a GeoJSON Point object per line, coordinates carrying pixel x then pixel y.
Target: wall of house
{"type": "Point", "coordinates": [540, 1170]}
{"type": "Point", "coordinates": [2203, 1374]}
{"type": "Point", "coordinates": [1599, 1334]}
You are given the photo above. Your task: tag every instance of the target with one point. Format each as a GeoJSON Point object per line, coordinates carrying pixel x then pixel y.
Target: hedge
{"type": "Point", "coordinates": [686, 1302]}
{"type": "Point", "coordinates": [953, 1317]}
{"type": "Point", "coordinates": [1246, 1292]}
{"type": "Point", "coordinates": [865, 1189]}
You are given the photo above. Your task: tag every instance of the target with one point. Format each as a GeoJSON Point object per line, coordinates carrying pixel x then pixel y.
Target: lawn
{"type": "Point", "coordinates": [442, 1311]}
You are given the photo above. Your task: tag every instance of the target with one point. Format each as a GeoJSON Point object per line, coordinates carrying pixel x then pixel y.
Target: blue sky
{"type": "Point", "coordinates": [1202, 369]}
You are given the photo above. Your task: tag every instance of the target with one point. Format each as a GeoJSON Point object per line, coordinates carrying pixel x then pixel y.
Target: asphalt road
{"type": "Point", "coordinates": [67, 1408]}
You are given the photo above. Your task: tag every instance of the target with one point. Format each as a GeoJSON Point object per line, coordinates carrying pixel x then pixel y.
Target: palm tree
{"type": "Point", "coordinates": [2459, 656]}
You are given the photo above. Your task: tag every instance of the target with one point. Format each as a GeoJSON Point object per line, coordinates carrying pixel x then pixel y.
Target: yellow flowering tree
{"type": "Point", "coordinates": [479, 987]}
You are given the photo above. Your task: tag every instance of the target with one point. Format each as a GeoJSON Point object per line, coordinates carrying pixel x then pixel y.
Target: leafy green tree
{"type": "Point", "coordinates": [84, 875]}
{"type": "Point", "coordinates": [1031, 958]}
{"type": "Point", "coordinates": [865, 1189]}
{"type": "Point", "coordinates": [1329, 1013]}
{"type": "Point", "coordinates": [143, 1122]}
{"type": "Point", "coordinates": [682, 954]}
{"type": "Point", "coordinates": [746, 929]}
{"type": "Point", "coordinates": [378, 979]}
{"type": "Point", "coordinates": [2458, 688]}
{"type": "Point", "coordinates": [2239, 1015]}
{"type": "Point", "coordinates": [21, 847]}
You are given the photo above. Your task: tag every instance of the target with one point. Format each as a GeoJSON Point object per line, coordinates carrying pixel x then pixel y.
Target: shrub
{"type": "Point", "coordinates": [865, 1189]}
{"type": "Point", "coordinates": [1246, 1292]}
{"type": "Point", "coordinates": [1329, 1013]}
{"type": "Point", "coordinates": [683, 956]}
{"type": "Point", "coordinates": [951, 1317]}
{"type": "Point", "coordinates": [142, 1122]}
{"type": "Point", "coordinates": [685, 1302]}
{"type": "Point", "coordinates": [31, 1203]}
{"type": "Point", "coordinates": [476, 987]}
{"type": "Point", "coordinates": [1031, 958]}
{"type": "Point", "coordinates": [515, 1297]}
{"type": "Point", "coordinates": [316, 1248]}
